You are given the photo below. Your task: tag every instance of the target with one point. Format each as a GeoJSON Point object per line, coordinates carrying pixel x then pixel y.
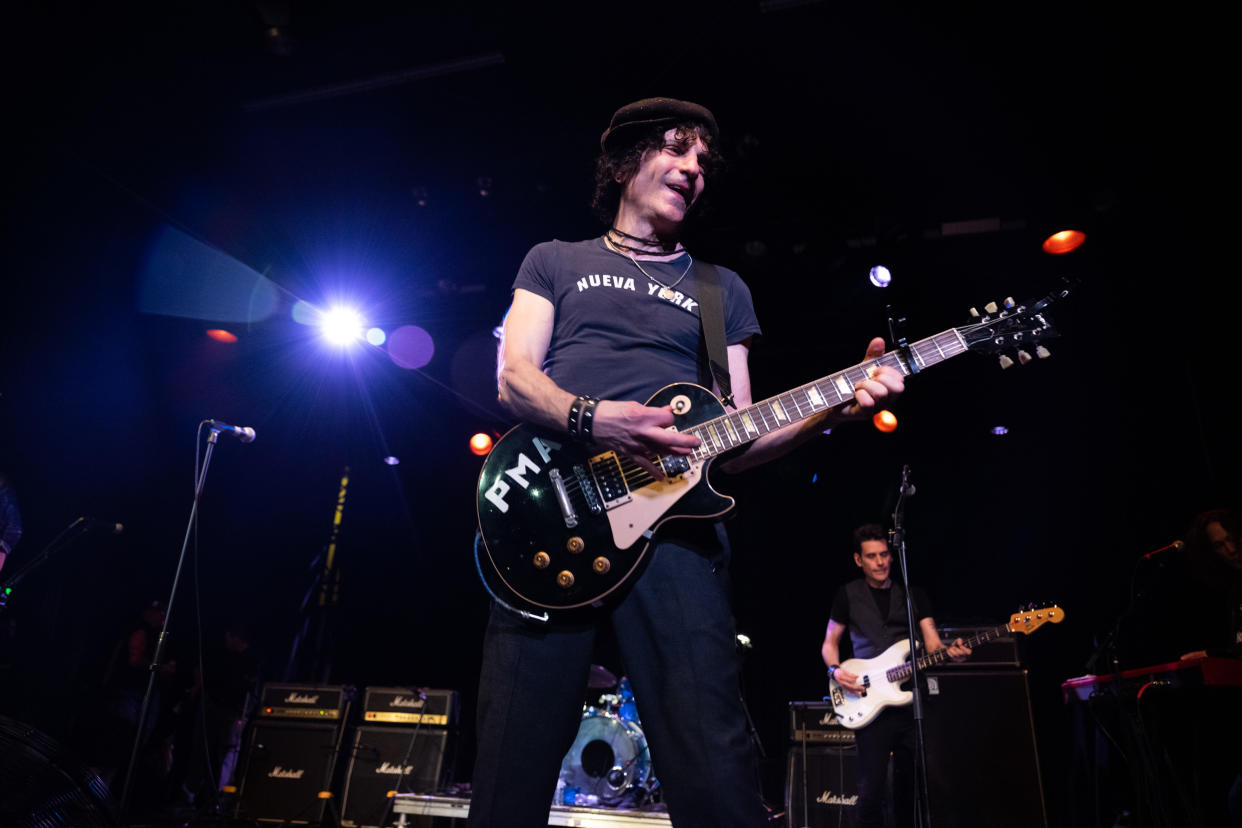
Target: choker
{"type": "Point", "coordinates": [643, 246]}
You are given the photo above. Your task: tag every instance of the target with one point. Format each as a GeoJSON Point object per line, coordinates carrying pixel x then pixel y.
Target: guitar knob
{"type": "Point", "coordinates": [990, 307]}
{"type": "Point", "coordinates": [1042, 352]}
{"type": "Point", "coordinates": [601, 565]}
{"type": "Point", "coordinates": [565, 579]}
{"type": "Point", "coordinates": [541, 559]}
{"type": "Point", "coordinates": [575, 544]}
{"type": "Point", "coordinates": [1005, 362]}
{"type": "Point", "coordinates": [1024, 357]}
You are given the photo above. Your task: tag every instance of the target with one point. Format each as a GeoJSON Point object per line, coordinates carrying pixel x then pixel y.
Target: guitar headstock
{"type": "Point", "coordinates": [1033, 618]}
{"type": "Point", "coordinates": [1012, 328]}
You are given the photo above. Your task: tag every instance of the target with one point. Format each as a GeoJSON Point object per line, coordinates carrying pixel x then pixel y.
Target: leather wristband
{"type": "Point", "coordinates": [575, 416]}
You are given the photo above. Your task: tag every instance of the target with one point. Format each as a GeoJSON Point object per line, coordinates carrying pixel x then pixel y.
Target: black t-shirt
{"type": "Point", "coordinates": [615, 337]}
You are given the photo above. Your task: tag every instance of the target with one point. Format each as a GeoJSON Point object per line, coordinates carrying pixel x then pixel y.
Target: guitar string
{"type": "Point", "coordinates": [636, 476]}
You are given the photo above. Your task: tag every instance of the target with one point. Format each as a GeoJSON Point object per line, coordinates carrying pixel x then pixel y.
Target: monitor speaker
{"type": "Point", "coordinates": [377, 763]}
{"type": "Point", "coordinates": [820, 787]}
{"type": "Point", "coordinates": [287, 765]}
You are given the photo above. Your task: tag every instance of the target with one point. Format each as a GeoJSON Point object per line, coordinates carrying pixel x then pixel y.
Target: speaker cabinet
{"type": "Point", "coordinates": [821, 792]}
{"type": "Point", "coordinates": [377, 762]}
{"type": "Point", "coordinates": [982, 765]}
{"type": "Point", "coordinates": [287, 765]}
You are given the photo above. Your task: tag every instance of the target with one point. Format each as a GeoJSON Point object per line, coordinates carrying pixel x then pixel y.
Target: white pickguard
{"type": "Point", "coordinates": [857, 711]}
{"type": "Point", "coordinates": [648, 504]}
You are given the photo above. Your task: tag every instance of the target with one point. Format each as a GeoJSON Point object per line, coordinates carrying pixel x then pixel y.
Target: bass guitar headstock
{"type": "Point", "coordinates": [1011, 330]}
{"type": "Point", "coordinates": [1031, 619]}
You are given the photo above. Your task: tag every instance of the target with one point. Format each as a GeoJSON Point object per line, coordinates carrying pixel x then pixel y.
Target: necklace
{"type": "Point", "coordinates": [645, 244]}
{"type": "Point", "coordinates": [666, 291]}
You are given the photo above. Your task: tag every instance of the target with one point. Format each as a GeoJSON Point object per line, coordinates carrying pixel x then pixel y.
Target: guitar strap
{"type": "Point", "coordinates": [711, 315]}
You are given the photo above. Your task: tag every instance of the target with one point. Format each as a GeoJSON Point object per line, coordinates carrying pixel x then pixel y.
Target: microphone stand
{"type": "Point", "coordinates": [199, 482]}
{"type": "Point", "coordinates": [897, 542]}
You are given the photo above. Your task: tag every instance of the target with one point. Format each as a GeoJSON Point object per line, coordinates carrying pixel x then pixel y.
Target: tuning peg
{"type": "Point", "coordinates": [974, 313]}
{"type": "Point", "coordinates": [1024, 357]}
{"type": "Point", "coordinates": [1009, 303]}
{"type": "Point", "coordinates": [1005, 362]}
{"type": "Point", "coordinates": [990, 307]}
{"type": "Point", "coordinates": [1042, 352]}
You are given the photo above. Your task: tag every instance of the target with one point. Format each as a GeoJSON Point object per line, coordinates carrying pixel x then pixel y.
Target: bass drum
{"type": "Point", "coordinates": [609, 762]}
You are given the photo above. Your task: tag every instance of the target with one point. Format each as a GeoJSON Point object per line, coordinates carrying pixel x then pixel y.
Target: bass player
{"type": "Point", "coordinates": [873, 610]}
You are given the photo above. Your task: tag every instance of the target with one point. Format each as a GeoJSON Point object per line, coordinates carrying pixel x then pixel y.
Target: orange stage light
{"type": "Point", "coordinates": [221, 335]}
{"type": "Point", "coordinates": [481, 443]}
{"type": "Point", "coordinates": [1064, 242]}
{"type": "Point", "coordinates": [885, 421]}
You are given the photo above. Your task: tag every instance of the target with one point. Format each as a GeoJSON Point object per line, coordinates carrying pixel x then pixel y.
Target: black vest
{"type": "Point", "coordinates": [871, 634]}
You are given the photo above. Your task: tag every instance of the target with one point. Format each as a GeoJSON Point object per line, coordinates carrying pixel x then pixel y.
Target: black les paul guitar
{"type": "Point", "coordinates": [563, 526]}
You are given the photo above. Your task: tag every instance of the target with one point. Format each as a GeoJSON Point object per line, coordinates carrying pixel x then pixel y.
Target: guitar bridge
{"type": "Point", "coordinates": [587, 487]}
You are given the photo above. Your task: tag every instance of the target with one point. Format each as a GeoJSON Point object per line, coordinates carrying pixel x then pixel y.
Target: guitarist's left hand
{"type": "Point", "coordinates": [958, 651]}
{"type": "Point", "coordinates": [885, 385]}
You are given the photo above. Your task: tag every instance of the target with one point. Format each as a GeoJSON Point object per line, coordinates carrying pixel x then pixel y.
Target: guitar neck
{"type": "Point", "coordinates": [901, 673]}
{"type": "Point", "coordinates": [738, 428]}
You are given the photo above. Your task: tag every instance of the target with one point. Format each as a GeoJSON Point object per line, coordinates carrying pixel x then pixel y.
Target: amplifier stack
{"type": "Point", "coordinates": [820, 785]}
{"type": "Point", "coordinates": [403, 741]}
{"type": "Point", "coordinates": [406, 745]}
{"type": "Point", "coordinates": [291, 753]}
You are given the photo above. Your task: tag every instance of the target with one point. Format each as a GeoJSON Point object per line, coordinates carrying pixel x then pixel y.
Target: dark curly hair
{"type": "Point", "coordinates": [624, 162]}
{"type": "Point", "coordinates": [868, 532]}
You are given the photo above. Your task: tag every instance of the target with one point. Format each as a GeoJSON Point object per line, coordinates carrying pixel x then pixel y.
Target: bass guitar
{"type": "Point", "coordinates": [881, 677]}
{"type": "Point", "coordinates": [564, 525]}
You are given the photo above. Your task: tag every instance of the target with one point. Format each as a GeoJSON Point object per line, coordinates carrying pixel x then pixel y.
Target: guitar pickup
{"type": "Point", "coordinates": [606, 470]}
{"type": "Point", "coordinates": [674, 465]}
{"type": "Point", "coordinates": [562, 498]}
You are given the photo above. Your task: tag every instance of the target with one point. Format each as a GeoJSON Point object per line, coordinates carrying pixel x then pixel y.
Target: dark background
{"type": "Point", "coordinates": [854, 137]}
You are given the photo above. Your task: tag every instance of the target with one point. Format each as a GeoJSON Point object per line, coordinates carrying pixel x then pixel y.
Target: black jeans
{"type": "Point", "coordinates": [675, 633]}
{"type": "Point", "coordinates": [891, 732]}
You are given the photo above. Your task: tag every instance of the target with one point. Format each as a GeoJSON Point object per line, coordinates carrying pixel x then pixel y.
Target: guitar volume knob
{"type": "Point", "coordinates": [601, 565]}
{"type": "Point", "coordinates": [565, 579]}
{"type": "Point", "coordinates": [575, 544]}
{"type": "Point", "coordinates": [541, 559]}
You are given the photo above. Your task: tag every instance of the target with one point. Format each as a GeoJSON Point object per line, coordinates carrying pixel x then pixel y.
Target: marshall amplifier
{"type": "Point", "coordinates": [816, 721]}
{"type": "Point", "coordinates": [287, 765]}
{"type": "Point", "coordinates": [385, 757]}
{"type": "Point", "coordinates": [820, 787]}
{"type": "Point", "coordinates": [304, 701]}
{"type": "Point", "coordinates": [410, 705]}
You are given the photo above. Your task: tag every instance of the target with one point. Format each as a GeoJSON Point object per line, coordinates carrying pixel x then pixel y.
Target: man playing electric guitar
{"type": "Point", "coordinates": [873, 609]}
{"type": "Point", "coordinates": [594, 327]}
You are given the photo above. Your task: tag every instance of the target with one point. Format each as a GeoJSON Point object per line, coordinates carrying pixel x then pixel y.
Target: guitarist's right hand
{"type": "Point", "coordinates": [640, 431]}
{"type": "Point", "coordinates": [847, 680]}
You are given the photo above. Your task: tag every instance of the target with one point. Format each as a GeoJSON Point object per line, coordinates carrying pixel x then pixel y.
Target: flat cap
{"type": "Point", "coordinates": [629, 119]}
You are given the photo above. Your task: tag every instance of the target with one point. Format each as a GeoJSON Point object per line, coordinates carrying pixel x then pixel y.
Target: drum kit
{"type": "Point", "coordinates": [609, 764]}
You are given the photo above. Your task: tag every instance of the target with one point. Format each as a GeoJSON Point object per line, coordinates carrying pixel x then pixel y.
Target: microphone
{"type": "Point", "coordinates": [907, 488]}
{"type": "Point", "coordinates": [243, 433]}
{"type": "Point", "coordinates": [1175, 546]}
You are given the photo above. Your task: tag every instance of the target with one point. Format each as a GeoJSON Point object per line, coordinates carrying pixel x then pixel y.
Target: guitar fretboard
{"type": "Point", "coordinates": [740, 427]}
{"type": "Point", "coordinates": [903, 672]}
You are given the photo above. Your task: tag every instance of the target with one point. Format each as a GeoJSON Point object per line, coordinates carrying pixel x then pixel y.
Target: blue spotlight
{"type": "Point", "coordinates": [880, 276]}
{"type": "Point", "coordinates": [376, 336]}
{"type": "Point", "coordinates": [341, 325]}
